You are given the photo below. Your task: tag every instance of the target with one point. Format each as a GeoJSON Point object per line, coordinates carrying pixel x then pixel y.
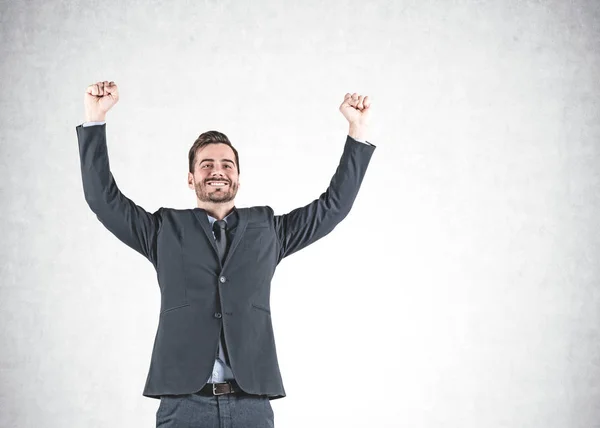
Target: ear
{"type": "Point", "coordinates": [190, 180]}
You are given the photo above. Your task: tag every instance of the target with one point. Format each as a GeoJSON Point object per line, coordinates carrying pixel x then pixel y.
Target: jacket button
{"type": "Point", "coordinates": [222, 279]}
{"type": "Point", "coordinates": [218, 315]}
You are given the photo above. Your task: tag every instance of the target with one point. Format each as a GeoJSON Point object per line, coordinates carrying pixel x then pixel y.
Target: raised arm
{"type": "Point", "coordinates": [127, 221]}
{"type": "Point", "coordinates": [305, 225]}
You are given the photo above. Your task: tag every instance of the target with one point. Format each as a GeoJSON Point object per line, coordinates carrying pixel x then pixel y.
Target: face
{"type": "Point", "coordinates": [215, 178]}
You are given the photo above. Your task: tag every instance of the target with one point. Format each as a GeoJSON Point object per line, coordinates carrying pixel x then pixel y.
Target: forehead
{"type": "Point", "coordinates": [215, 151]}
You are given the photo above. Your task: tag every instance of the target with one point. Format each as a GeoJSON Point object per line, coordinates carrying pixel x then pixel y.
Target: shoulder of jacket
{"type": "Point", "coordinates": [258, 213]}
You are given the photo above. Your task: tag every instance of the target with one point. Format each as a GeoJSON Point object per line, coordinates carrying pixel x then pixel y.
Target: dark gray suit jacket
{"type": "Point", "coordinates": [199, 295]}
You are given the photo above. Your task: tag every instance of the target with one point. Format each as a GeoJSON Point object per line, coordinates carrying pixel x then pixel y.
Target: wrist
{"type": "Point", "coordinates": [95, 118]}
{"type": "Point", "coordinates": [358, 131]}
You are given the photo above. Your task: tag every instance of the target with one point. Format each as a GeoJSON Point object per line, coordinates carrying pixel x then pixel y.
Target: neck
{"type": "Point", "coordinates": [217, 210]}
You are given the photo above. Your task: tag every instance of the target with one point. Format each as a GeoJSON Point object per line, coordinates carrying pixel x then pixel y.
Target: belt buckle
{"type": "Point", "coordinates": [214, 388]}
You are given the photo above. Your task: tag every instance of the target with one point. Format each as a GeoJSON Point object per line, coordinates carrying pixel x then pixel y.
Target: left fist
{"type": "Point", "coordinates": [356, 108]}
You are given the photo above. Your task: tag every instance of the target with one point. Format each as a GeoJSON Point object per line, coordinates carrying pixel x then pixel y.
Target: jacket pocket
{"type": "Point", "coordinates": [261, 308]}
{"type": "Point", "coordinates": [259, 225]}
{"type": "Point", "coordinates": [174, 308]}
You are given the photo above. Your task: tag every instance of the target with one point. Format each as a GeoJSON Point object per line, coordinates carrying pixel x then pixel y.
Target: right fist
{"type": "Point", "coordinates": [99, 98]}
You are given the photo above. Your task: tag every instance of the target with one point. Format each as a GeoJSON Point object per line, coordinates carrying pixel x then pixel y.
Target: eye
{"type": "Point", "coordinates": [227, 166]}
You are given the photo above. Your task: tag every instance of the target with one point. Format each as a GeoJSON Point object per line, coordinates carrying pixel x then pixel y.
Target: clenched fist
{"type": "Point", "coordinates": [99, 98]}
{"type": "Point", "coordinates": [356, 109]}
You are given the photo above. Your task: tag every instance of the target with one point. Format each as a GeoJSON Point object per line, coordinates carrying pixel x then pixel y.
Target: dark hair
{"type": "Point", "coordinates": [211, 137]}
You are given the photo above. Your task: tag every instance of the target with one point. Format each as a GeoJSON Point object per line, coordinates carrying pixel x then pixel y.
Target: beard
{"type": "Point", "coordinates": [218, 195]}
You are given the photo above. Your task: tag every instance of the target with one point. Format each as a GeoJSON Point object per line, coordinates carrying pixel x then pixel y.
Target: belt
{"type": "Point", "coordinates": [212, 389]}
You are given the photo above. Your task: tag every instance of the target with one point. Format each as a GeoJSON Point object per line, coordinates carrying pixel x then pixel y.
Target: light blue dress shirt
{"type": "Point", "coordinates": [221, 370]}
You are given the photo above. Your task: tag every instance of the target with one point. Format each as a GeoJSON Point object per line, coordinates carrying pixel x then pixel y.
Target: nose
{"type": "Point", "coordinates": [216, 170]}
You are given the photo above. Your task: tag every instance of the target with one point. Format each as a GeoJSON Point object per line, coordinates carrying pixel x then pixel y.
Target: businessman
{"type": "Point", "coordinates": [214, 361]}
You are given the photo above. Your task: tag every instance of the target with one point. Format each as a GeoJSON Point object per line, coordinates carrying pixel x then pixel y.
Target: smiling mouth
{"type": "Point", "coordinates": [217, 183]}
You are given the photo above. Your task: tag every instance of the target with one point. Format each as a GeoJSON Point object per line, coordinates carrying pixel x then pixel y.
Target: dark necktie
{"type": "Point", "coordinates": [220, 230]}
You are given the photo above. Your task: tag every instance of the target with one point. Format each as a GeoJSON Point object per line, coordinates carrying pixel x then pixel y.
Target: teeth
{"type": "Point", "coordinates": [217, 183]}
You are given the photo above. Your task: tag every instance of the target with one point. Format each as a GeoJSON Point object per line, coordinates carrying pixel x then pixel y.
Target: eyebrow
{"type": "Point", "coordinates": [212, 160]}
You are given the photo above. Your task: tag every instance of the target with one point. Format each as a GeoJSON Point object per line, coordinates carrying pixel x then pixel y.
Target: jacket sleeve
{"type": "Point", "coordinates": [305, 225]}
{"type": "Point", "coordinates": [127, 221]}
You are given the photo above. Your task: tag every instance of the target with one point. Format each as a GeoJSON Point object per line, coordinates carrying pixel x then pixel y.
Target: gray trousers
{"type": "Point", "coordinates": [222, 411]}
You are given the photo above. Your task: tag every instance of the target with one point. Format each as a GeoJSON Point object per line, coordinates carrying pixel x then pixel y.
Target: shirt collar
{"type": "Point", "coordinates": [229, 218]}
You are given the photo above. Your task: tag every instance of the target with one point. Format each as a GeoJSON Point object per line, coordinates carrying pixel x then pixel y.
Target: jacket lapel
{"type": "Point", "coordinates": [203, 219]}
{"type": "Point", "coordinates": [239, 233]}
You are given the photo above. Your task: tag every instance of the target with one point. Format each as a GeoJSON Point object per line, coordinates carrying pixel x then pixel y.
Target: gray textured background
{"type": "Point", "coordinates": [461, 291]}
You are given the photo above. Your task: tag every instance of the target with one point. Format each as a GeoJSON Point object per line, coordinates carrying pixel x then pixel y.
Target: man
{"type": "Point", "coordinates": [214, 361]}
